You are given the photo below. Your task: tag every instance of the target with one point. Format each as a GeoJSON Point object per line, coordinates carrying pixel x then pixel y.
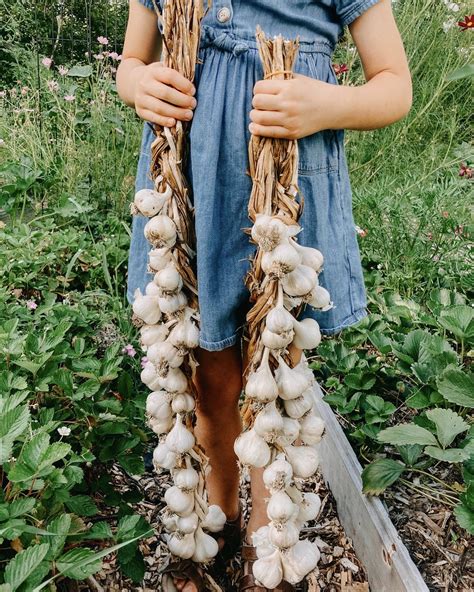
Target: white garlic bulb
{"type": "Point", "coordinates": [158, 405]}
{"type": "Point", "coordinates": [184, 335]}
{"type": "Point", "coordinates": [268, 232]}
{"type": "Point", "coordinates": [160, 231]}
{"type": "Point", "coordinates": [146, 308]}
{"type": "Point", "coordinates": [160, 425]}
{"type": "Point", "coordinates": [214, 520]}
{"type": "Point", "coordinates": [319, 298]}
{"type": "Point", "coordinates": [283, 536]}
{"type": "Point", "coordinates": [183, 403]}
{"type": "Point", "coordinates": [303, 459]}
{"type": "Point", "coordinates": [269, 422]}
{"type": "Point", "coordinates": [300, 281]}
{"type": "Point", "coordinates": [251, 449]}
{"type": "Point", "coordinates": [276, 341]}
{"type": "Point", "coordinates": [179, 439]}
{"type": "Point", "coordinates": [296, 408]}
{"type": "Point", "coordinates": [187, 524]}
{"type": "Point", "coordinates": [163, 457]}
{"type": "Point", "coordinates": [149, 202]}
{"type": "Point", "coordinates": [292, 383]}
{"type": "Point", "coordinates": [158, 259]}
{"type": "Point", "coordinates": [186, 479]}
{"type": "Point", "coordinates": [152, 289]}
{"type": "Point", "coordinates": [279, 320]}
{"type": "Point", "coordinates": [206, 547]}
{"type": "Point", "coordinates": [268, 571]}
{"type": "Point", "coordinates": [299, 561]}
{"type": "Point", "coordinates": [164, 356]}
{"type": "Point", "coordinates": [148, 374]}
{"type": "Point", "coordinates": [171, 304]}
{"type": "Point", "coordinates": [280, 508]}
{"type": "Point", "coordinates": [179, 502]}
{"type": "Point", "coordinates": [309, 256]}
{"type": "Point", "coordinates": [309, 507]}
{"type": "Point", "coordinates": [168, 280]}
{"type": "Point", "coordinates": [311, 429]}
{"type": "Point", "coordinates": [151, 334]}
{"type": "Point", "coordinates": [260, 541]}
{"type": "Point", "coordinates": [307, 334]}
{"type": "Point", "coordinates": [182, 546]}
{"type": "Point", "coordinates": [175, 381]}
{"type": "Point", "coordinates": [261, 385]}
{"type": "Point", "coordinates": [289, 433]}
{"type": "Point", "coordinates": [281, 260]}
{"type": "Point", "coordinates": [278, 475]}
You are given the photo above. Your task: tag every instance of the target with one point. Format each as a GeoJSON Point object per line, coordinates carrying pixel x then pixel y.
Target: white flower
{"type": "Point", "coordinates": [64, 431]}
{"type": "Point", "coordinates": [449, 24]}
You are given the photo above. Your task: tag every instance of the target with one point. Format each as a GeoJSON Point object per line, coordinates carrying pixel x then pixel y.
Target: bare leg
{"type": "Point", "coordinates": [260, 493]}
{"type": "Point", "coordinates": [219, 384]}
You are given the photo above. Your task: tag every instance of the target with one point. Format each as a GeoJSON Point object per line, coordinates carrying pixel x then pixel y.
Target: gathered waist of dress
{"type": "Point", "coordinates": [237, 45]}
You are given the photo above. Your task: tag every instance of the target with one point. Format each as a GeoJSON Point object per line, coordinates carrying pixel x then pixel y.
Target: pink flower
{"type": "Point", "coordinates": [53, 86]}
{"type": "Point", "coordinates": [340, 69]}
{"type": "Point", "coordinates": [47, 62]}
{"type": "Point", "coordinates": [465, 171]}
{"type": "Point", "coordinates": [143, 361]}
{"type": "Point", "coordinates": [113, 55]}
{"type": "Point", "coordinates": [445, 214]}
{"type": "Point", "coordinates": [69, 98]}
{"type": "Point", "coordinates": [103, 40]}
{"type": "Point", "coordinates": [63, 70]}
{"type": "Point", "coordinates": [361, 231]}
{"type": "Point", "coordinates": [31, 304]}
{"type": "Point", "coordinates": [429, 236]}
{"type": "Point", "coordinates": [99, 56]}
{"type": "Point", "coordinates": [129, 350]}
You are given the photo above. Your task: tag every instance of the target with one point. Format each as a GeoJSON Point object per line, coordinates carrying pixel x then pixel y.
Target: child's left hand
{"type": "Point", "coordinates": [293, 108]}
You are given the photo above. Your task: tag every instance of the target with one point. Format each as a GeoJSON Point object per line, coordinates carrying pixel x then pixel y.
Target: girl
{"type": "Point", "coordinates": [226, 103]}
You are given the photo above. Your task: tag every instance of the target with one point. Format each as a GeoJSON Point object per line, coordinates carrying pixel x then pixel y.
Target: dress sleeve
{"type": "Point", "coordinates": [349, 10]}
{"type": "Point", "coordinates": [148, 4]}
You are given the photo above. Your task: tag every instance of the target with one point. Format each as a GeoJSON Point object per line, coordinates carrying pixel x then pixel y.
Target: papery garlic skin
{"type": "Point", "coordinates": [268, 571]}
{"type": "Point", "coordinates": [251, 449]}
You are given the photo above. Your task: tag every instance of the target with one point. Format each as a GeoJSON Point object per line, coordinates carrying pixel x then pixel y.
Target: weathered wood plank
{"type": "Point", "coordinates": [365, 519]}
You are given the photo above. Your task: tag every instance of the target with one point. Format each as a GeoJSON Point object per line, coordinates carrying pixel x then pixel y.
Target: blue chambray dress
{"type": "Point", "coordinates": [229, 67]}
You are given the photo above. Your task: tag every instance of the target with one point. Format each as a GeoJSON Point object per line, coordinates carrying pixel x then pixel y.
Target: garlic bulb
{"type": "Point", "coordinates": [296, 408]}
{"type": "Point", "coordinates": [292, 383]}
{"type": "Point", "coordinates": [278, 475]}
{"type": "Point", "coordinates": [151, 334]}
{"type": "Point", "coordinates": [309, 507]}
{"type": "Point", "coordinates": [251, 449]}
{"type": "Point", "coordinates": [158, 259]}
{"type": "Point", "coordinates": [279, 320]}
{"type": "Point", "coordinates": [299, 561]}
{"type": "Point", "coordinates": [283, 536]}
{"type": "Point", "coordinates": [146, 308]}
{"type": "Point", "coordinates": [160, 231]}
{"type": "Point", "coordinates": [158, 404]}
{"type": "Point", "coordinates": [168, 280]}
{"type": "Point", "coordinates": [179, 502]}
{"type": "Point", "coordinates": [187, 524]}
{"type": "Point", "coordinates": [170, 521]}
{"type": "Point", "coordinates": [300, 281]}
{"type": "Point", "coordinates": [149, 202]}
{"type": "Point", "coordinates": [303, 459]}
{"type": "Point", "coordinates": [164, 356]}
{"type": "Point", "coordinates": [183, 403]}
{"type": "Point", "coordinates": [261, 384]}
{"type": "Point", "coordinates": [206, 547]}
{"type": "Point", "coordinates": [148, 374]}
{"type": "Point", "coordinates": [280, 508]}
{"type": "Point", "coordinates": [163, 457]}
{"type": "Point", "coordinates": [182, 545]}
{"type": "Point", "coordinates": [319, 298]}
{"type": "Point", "coordinates": [152, 289]}
{"type": "Point", "coordinates": [268, 570]}
{"type": "Point", "coordinates": [260, 541]}
{"type": "Point", "coordinates": [186, 479]}
{"type": "Point", "coordinates": [175, 381]}
{"type": "Point", "coordinates": [268, 232]}
{"type": "Point", "coordinates": [179, 439]}
{"type": "Point", "coordinates": [269, 422]}
{"type": "Point", "coordinates": [215, 519]}
{"type": "Point", "coordinates": [281, 260]}
{"type": "Point", "coordinates": [160, 425]}
{"type": "Point", "coordinates": [312, 429]}
{"type": "Point", "coordinates": [171, 304]}
{"type": "Point", "coordinates": [307, 334]}
{"type": "Point", "coordinates": [184, 335]}
{"type": "Point", "coordinates": [309, 256]}
{"type": "Point", "coordinates": [276, 341]}
{"type": "Point", "coordinates": [289, 433]}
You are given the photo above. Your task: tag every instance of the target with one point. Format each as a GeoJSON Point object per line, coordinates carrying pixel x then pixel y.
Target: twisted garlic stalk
{"type": "Point", "coordinates": [279, 408]}
{"type": "Point", "coordinates": [168, 313]}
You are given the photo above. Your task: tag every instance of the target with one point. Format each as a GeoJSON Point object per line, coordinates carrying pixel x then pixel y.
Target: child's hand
{"type": "Point", "coordinates": [163, 95]}
{"type": "Point", "coordinates": [293, 108]}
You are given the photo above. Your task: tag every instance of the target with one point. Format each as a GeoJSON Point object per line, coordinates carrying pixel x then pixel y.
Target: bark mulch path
{"type": "Point", "coordinates": [339, 569]}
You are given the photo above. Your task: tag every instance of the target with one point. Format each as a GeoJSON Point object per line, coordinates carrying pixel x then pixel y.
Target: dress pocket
{"type": "Point", "coordinates": [318, 153]}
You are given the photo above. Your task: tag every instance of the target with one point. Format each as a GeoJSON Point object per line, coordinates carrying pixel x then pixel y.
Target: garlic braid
{"type": "Point", "coordinates": [278, 409]}
{"type": "Point", "coordinates": [168, 312]}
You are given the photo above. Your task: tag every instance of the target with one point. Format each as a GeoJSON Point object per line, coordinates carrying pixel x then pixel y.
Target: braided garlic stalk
{"type": "Point", "coordinates": [279, 406]}
{"type": "Point", "coordinates": [168, 313]}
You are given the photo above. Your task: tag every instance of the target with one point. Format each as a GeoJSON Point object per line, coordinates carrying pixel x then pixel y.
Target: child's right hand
{"type": "Point", "coordinates": [163, 95]}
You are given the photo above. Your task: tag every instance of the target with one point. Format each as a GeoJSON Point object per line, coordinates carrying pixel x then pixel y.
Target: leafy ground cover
{"type": "Point", "coordinates": [71, 403]}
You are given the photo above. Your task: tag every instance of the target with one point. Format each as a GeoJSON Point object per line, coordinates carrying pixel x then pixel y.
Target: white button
{"type": "Point", "coordinates": [223, 15]}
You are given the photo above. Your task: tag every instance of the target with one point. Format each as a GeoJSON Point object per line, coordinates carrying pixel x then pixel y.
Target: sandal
{"type": "Point", "coordinates": [232, 536]}
{"type": "Point", "coordinates": [183, 569]}
{"type": "Point", "coordinates": [248, 582]}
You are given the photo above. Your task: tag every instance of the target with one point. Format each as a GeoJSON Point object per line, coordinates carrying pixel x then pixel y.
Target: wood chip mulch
{"type": "Point", "coordinates": [339, 569]}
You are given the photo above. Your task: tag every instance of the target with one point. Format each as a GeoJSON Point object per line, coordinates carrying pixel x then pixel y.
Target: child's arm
{"type": "Point", "coordinates": [158, 94]}
{"type": "Point", "coordinates": [302, 106]}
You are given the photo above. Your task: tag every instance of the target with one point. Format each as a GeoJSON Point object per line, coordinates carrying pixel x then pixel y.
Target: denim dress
{"type": "Point", "coordinates": [228, 68]}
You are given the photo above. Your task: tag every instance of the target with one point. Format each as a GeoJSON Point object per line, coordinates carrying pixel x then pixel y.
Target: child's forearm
{"type": "Point", "coordinates": [128, 74]}
{"type": "Point", "coordinates": [384, 99]}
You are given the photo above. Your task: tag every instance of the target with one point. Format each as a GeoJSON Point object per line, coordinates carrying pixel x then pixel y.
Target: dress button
{"type": "Point", "coordinates": [223, 15]}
